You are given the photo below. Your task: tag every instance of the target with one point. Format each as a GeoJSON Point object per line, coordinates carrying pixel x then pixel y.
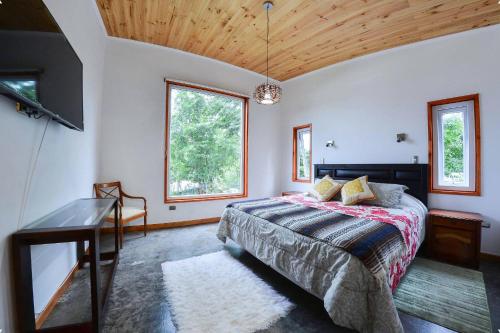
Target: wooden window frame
{"type": "Point", "coordinates": [295, 177]}
{"type": "Point", "coordinates": [245, 100]}
{"type": "Point", "coordinates": [476, 140]}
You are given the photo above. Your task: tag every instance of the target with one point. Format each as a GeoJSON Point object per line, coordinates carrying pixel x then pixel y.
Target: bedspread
{"type": "Point", "coordinates": [353, 295]}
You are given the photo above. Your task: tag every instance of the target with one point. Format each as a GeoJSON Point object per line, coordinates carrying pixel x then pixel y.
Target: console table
{"type": "Point", "coordinates": [78, 221]}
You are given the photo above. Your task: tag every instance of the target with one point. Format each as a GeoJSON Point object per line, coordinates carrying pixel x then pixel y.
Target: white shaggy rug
{"type": "Point", "coordinates": [216, 293]}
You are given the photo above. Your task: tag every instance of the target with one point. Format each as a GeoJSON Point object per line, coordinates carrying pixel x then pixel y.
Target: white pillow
{"type": "Point", "coordinates": [388, 195]}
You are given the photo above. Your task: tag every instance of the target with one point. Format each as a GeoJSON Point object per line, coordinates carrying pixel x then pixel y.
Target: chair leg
{"type": "Point", "coordinates": [121, 235]}
{"type": "Point", "coordinates": [145, 225]}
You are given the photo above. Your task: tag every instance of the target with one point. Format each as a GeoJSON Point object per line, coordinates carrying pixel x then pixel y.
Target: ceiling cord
{"type": "Point", "coordinates": [267, 45]}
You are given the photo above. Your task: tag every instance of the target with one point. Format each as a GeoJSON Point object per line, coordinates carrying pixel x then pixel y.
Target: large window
{"type": "Point", "coordinates": [454, 145]}
{"type": "Point", "coordinates": [206, 144]}
{"type": "Point", "coordinates": [302, 143]}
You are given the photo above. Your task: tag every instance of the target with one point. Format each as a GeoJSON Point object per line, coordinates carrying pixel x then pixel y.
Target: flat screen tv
{"type": "Point", "coordinates": [38, 67]}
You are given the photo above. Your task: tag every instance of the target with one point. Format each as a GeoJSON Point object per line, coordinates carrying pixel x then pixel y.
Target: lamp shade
{"type": "Point", "coordinates": [267, 93]}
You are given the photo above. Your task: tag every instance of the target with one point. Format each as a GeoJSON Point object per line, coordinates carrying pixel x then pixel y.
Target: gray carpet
{"type": "Point", "coordinates": [138, 301]}
{"type": "Point", "coordinates": [450, 296]}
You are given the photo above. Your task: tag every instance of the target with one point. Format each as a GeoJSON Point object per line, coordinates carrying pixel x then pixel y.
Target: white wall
{"type": "Point", "coordinates": [363, 103]}
{"type": "Point", "coordinates": [134, 123]}
{"type": "Point", "coordinates": [67, 163]}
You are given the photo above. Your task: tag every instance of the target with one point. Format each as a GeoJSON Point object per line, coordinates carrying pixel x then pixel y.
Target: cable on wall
{"type": "Point", "coordinates": [27, 185]}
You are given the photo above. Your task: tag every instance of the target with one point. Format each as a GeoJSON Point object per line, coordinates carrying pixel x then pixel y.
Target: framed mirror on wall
{"type": "Point", "coordinates": [455, 145]}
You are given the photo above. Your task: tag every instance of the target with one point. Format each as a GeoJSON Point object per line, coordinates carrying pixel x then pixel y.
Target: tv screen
{"type": "Point", "coordinates": [38, 66]}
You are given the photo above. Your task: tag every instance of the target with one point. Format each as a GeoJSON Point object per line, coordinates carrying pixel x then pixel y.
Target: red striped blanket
{"type": "Point", "coordinates": [407, 222]}
{"type": "Point", "coordinates": [385, 240]}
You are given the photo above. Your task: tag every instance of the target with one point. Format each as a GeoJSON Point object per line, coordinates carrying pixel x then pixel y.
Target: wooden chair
{"type": "Point", "coordinates": [126, 213]}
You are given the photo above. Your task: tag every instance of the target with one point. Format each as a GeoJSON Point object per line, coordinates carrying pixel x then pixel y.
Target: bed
{"type": "Point", "coordinates": [354, 264]}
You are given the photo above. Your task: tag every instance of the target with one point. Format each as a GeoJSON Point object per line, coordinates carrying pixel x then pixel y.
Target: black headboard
{"type": "Point", "coordinates": [412, 175]}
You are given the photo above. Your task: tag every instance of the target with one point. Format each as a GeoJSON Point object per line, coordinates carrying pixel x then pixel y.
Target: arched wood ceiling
{"type": "Point", "coordinates": [305, 34]}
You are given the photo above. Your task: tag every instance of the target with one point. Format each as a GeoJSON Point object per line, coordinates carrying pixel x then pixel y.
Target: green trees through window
{"type": "Point", "coordinates": [301, 171]}
{"type": "Point", "coordinates": [205, 143]}
{"type": "Point", "coordinates": [304, 153]}
{"type": "Point", "coordinates": [453, 147]}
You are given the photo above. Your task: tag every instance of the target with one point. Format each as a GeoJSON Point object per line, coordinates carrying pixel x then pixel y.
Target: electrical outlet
{"type": "Point", "coordinates": [169, 208]}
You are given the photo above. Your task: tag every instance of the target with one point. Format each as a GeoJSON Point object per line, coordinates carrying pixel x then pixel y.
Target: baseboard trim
{"type": "Point", "coordinates": [165, 225]}
{"type": "Point", "coordinates": [44, 314]}
{"type": "Point", "coordinates": [490, 257]}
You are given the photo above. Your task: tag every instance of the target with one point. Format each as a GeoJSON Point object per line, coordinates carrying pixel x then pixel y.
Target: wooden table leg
{"type": "Point", "coordinates": [24, 286]}
{"type": "Point", "coordinates": [80, 252]}
{"type": "Point", "coordinates": [95, 280]}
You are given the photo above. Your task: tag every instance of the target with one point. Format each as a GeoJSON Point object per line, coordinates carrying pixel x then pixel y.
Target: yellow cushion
{"type": "Point", "coordinates": [127, 212]}
{"type": "Point", "coordinates": [356, 191]}
{"type": "Point", "coordinates": [325, 189]}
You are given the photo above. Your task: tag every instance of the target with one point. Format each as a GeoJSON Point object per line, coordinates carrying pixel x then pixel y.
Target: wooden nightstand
{"type": "Point", "coordinates": [454, 237]}
{"type": "Point", "coordinates": [290, 193]}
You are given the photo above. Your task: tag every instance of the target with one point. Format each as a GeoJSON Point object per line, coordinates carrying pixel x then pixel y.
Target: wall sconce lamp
{"type": "Point", "coordinates": [330, 144]}
{"type": "Point", "coordinates": [400, 137]}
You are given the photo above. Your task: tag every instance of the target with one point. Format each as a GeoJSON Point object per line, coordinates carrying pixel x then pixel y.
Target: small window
{"type": "Point", "coordinates": [302, 143]}
{"type": "Point", "coordinates": [206, 144]}
{"type": "Point", "coordinates": [454, 145]}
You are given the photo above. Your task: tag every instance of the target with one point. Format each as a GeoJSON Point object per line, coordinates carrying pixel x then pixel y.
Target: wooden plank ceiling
{"type": "Point", "coordinates": [305, 34]}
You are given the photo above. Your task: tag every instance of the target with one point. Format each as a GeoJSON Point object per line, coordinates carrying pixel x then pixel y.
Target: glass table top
{"type": "Point", "coordinates": [79, 213]}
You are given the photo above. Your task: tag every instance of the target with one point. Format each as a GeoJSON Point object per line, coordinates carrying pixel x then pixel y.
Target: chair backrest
{"type": "Point", "coordinates": [109, 190]}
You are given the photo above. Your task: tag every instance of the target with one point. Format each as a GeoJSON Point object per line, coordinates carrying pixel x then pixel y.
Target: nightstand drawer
{"type": "Point", "coordinates": [452, 223]}
{"type": "Point", "coordinates": [454, 237]}
{"type": "Point", "coordinates": [454, 245]}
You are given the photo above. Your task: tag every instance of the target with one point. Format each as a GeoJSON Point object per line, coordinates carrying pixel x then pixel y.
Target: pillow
{"type": "Point", "coordinates": [338, 196]}
{"type": "Point", "coordinates": [357, 190]}
{"type": "Point", "coordinates": [325, 189]}
{"type": "Point", "coordinates": [388, 195]}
